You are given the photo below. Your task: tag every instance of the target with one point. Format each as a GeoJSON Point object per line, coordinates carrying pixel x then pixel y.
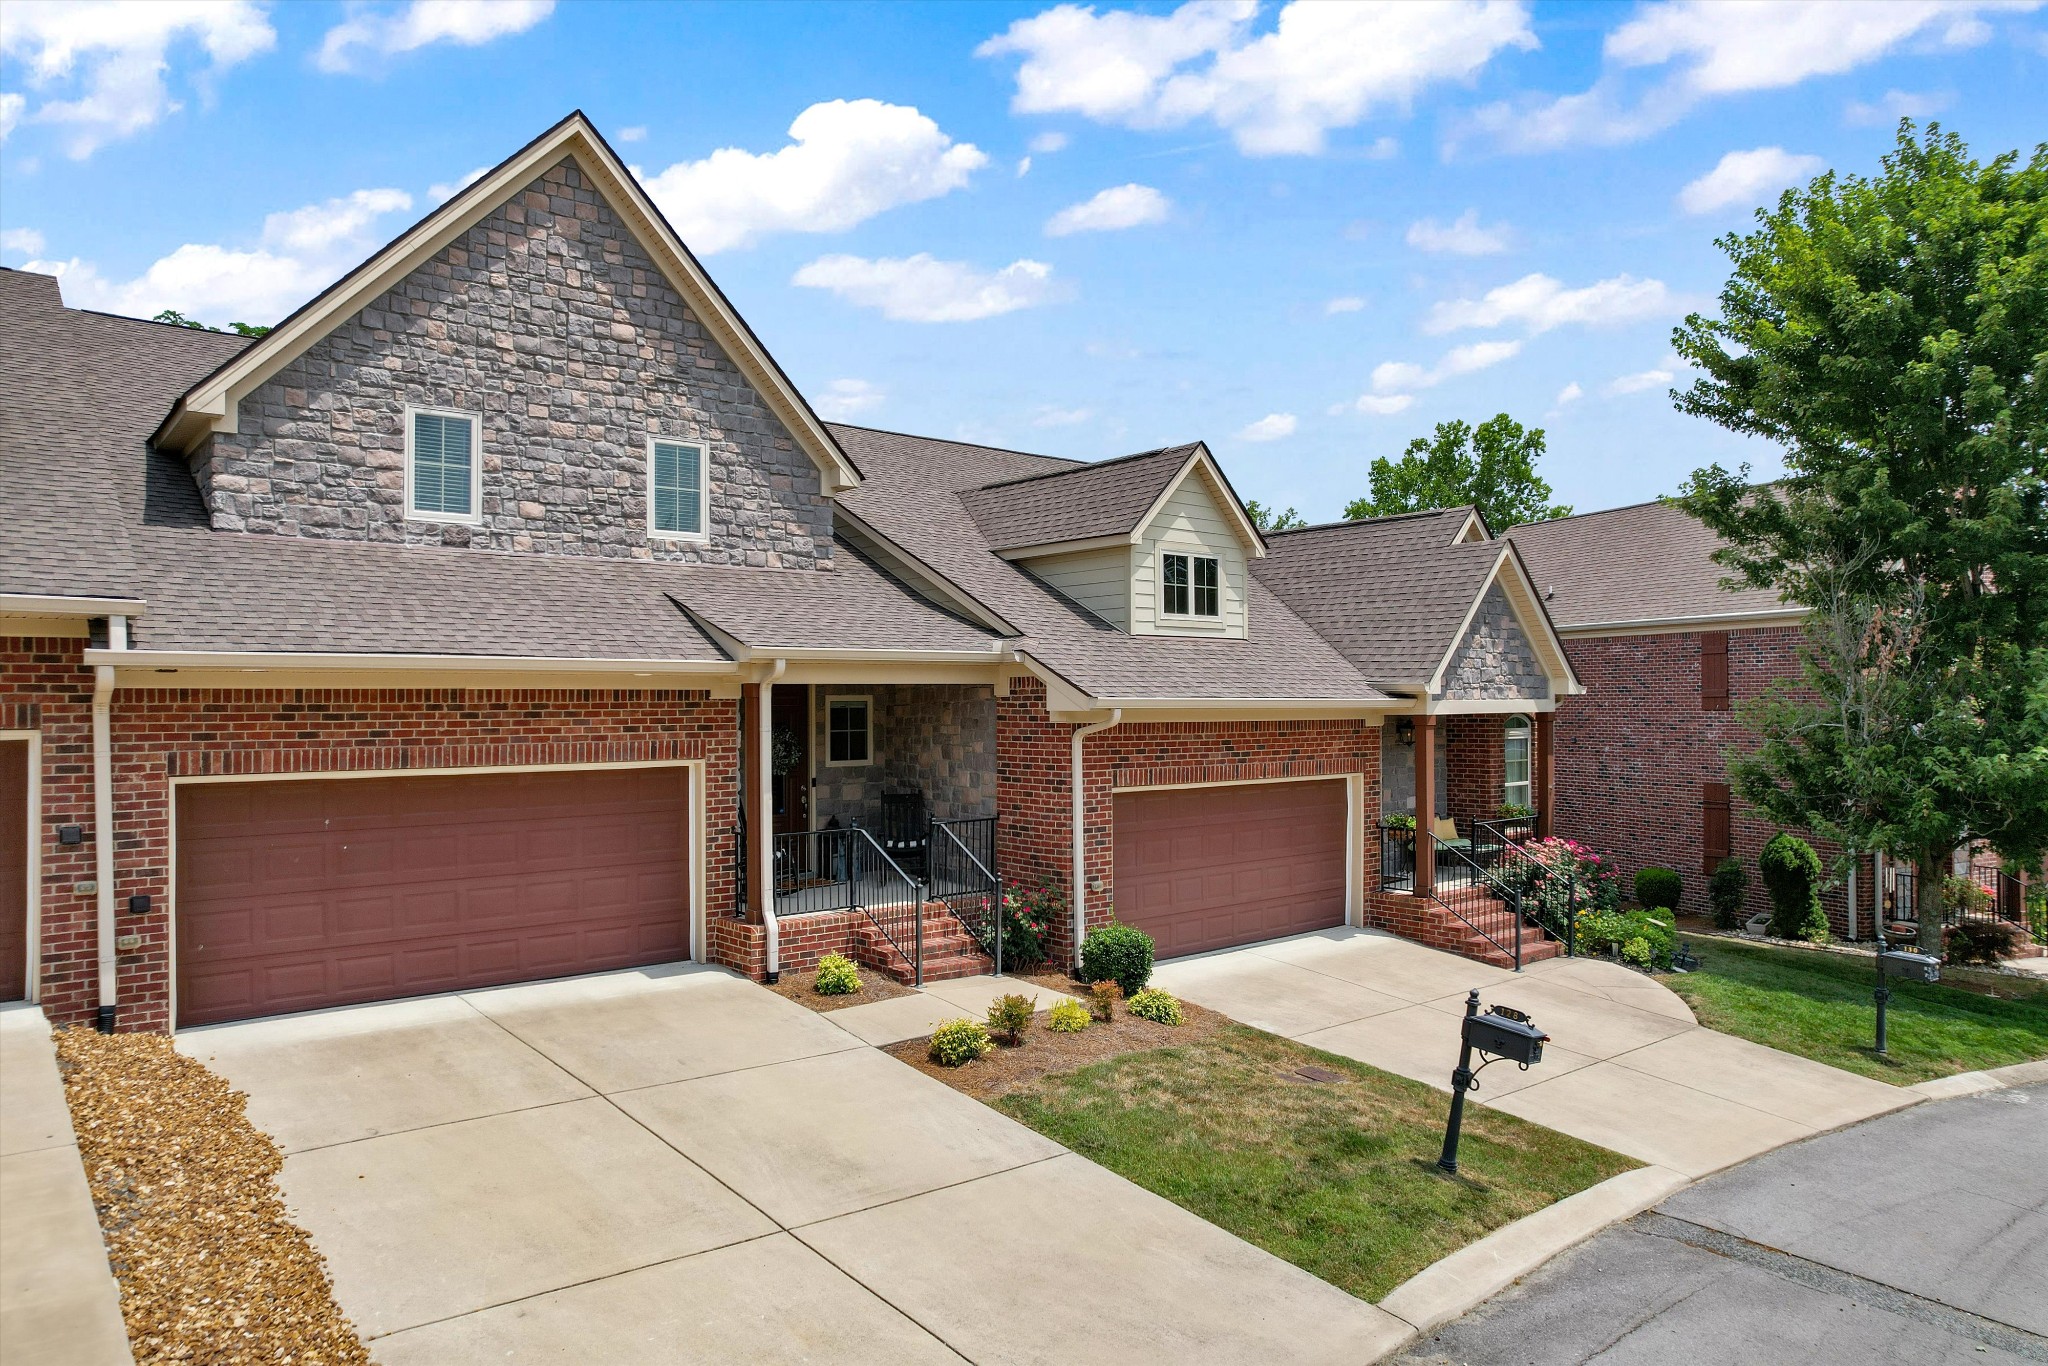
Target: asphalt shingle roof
{"type": "Point", "coordinates": [1075, 503]}
{"type": "Point", "coordinates": [1650, 562]}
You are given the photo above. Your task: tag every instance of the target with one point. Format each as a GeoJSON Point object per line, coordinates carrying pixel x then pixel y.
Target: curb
{"type": "Point", "coordinates": [1977, 1083]}
{"type": "Point", "coordinates": [1443, 1291]}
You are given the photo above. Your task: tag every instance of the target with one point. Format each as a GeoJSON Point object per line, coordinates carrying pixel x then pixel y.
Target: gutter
{"type": "Point", "coordinates": [103, 820]}
{"type": "Point", "coordinates": [263, 660]}
{"type": "Point", "coordinates": [1080, 853]}
{"type": "Point", "coordinates": [1735, 621]}
{"type": "Point", "coordinates": [36, 605]}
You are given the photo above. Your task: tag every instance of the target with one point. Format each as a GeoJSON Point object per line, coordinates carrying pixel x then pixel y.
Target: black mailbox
{"type": "Point", "coordinates": [1911, 967]}
{"type": "Point", "coordinates": [1506, 1033]}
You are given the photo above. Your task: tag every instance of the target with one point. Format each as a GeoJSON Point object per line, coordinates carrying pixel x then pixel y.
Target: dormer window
{"type": "Point", "coordinates": [1192, 586]}
{"type": "Point", "coordinates": [443, 474]}
{"type": "Point", "coordinates": [676, 493]}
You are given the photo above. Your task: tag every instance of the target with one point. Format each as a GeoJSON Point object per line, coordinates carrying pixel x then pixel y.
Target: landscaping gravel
{"type": "Point", "coordinates": [211, 1268]}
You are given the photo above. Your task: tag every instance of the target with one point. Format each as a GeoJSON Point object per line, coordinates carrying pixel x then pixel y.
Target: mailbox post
{"type": "Point", "coordinates": [1912, 967]}
{"type": "Point", "coordinates": [1501, 1033]}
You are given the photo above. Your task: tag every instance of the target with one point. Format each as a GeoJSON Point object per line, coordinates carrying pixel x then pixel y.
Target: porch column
{"type": "Point", "coordinates": [1425, 804]}
{"type": "Point", "coordinates": [754, 797]}
{"type": "Point", "coordinates": [1542, 769]}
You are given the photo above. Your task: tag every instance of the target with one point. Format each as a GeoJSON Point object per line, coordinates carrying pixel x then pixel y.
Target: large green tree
{"type": "Point", "coordinates": [1890, 335]}
{"type": "Point", "coordinates": [1492, 466]}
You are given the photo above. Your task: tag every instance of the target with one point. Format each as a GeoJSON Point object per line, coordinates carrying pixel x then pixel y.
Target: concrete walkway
{"type": "Point", "coordinates": [1918, 1237]}
{"type": "Point", "coordinates": [916, 1015]}
{"type": "Point", "coordinates": [1627, 1067]}
{"type": "Point", "coordinates": [58, 1301]}
{"type": "Point", "coordinates": [677, 1165]}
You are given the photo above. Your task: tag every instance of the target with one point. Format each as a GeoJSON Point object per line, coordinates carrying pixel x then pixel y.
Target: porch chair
{"type": "Point", "coordinates": [904, 829]}
{"type": "Point", "coordinates": [1446, 831]}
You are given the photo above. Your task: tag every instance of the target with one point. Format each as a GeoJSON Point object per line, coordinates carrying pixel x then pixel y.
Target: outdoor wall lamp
{"type": "Point", "coordinates": [1404, 732]}
{"type": "Point", "coordinates": [1501, 1034]}
{"type": "Point", "coordinates": [1908, 967]}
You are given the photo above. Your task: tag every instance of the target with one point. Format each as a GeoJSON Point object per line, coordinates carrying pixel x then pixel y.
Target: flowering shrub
{"type": "Point", "coordinates": [1029, 913]}
{"type": "Point", "coordinates": [1546, 880]}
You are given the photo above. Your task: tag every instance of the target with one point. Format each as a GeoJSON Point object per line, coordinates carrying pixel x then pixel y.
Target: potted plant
{"type": "Point", "coordinates": [1517, 821]}
{"type": "Point", "coordinates": [1402, 826]}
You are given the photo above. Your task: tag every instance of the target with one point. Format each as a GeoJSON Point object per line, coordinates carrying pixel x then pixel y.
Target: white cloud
{"type": "Point", "coordinates": [1397, 375]}
{"type": "Point", "coordinates": [299, 253]}
{"type": "Point", "coordinates": [1571, 393]}
{"type": "Point", "coordinates": [1344, 303]}
{"type": "Point", "coordinates": [1383, 149]}
{"type": "Point", "coordinates": [105, 62]}
{"type": "Point", "coordinates": [634, 133]}
{"type": "Point", "coordinates": [422, 23]}
{"type": "Point", "coordinates": [1045, 144]}
{"type": "Point", "coordinates": [1746, 179]}
{"type": "Point", "coordinates": [1125, 206]}
{"type": "Point", "coordinates": [1062, 417]}
{"type": "Point", "coordinates": [923, 289]}
{"type": "Point", "coordinates": [1383, 405]}
{"type": "Point", "coordinates": [846, 398]}
{"type": "Point", "coordinates": [446, 190]}
{"type": "Point", "coordinates": [27, 241]}
{"type": "Point", "coordinates": [1894, 105]}
{"type": "Point", "coordinates": [1636, 383]}
{"type": "Point", "coordinates": [847, 161]}
{"type": "Point", "coordinates": [1023, 167]}
{"type": "Point", "coordinates": [1271, 427]}
{"type": "Point", "coordinates": [1463, 238]}
{"type": "Point", "coordinates": [1541, 303]}
{"type": "Point", "coordinates": [1322, 66]}
{"type": "Point", "coordinates": [1694, 50]}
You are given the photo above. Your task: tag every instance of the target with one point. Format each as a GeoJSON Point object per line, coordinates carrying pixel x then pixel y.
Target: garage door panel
{"type": "Point", "coordinates": [1204, 868]}
{"type": "Point", "coordinates": [303, 893]}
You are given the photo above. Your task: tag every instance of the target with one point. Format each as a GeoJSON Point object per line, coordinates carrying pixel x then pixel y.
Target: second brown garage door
{"type": "Point", "coordinates": [298, 894]}
{"type": "Point", "coordinates": [1206, 867]}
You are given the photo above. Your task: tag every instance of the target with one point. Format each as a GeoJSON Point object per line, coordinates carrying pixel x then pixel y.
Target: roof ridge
{"type": "Point", "coordinates": [949, 441]}
{"type": "Point", "coordinates": [1371, 521]}
{"type": "Point", "coordinates": [1088, 465]}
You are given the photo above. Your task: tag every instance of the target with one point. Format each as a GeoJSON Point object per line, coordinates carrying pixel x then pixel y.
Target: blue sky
{"type": "Point", "coordinates": [1302, 233]}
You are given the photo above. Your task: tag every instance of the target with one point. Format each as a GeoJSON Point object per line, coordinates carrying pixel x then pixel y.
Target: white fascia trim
{"type": "Point", "coordinates": [1219, 490]}
{"type": "Point", "coordinates": [131, 660]}
{"type": "Point", "coordinates": [32, 605]}
{"type": "Point", "coordinates": [1473, 522]}
{"type": "Point", "coordinates": [212, 405]}
{"type": "Point", "coordinates": [1566, 686]}
{"type": "Point", "coordinates": [1033, 552]}
{"type": "Point", "coordinates": [1733, 621]}
{"type": "Point", "coordinates": [957, 597]}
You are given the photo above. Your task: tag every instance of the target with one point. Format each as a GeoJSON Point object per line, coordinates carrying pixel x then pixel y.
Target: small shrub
{"type": "Point", "coordinates": [1102, 999]}
{"type": "Point", "coordinates": [1068, 1017]}
{"type": "Point", "coordinates": [1728, 893]}
{"type": "Point", "coordinates": [1791, 873]}
{"type": "Point", "coordinates": [1659, 888]}
{"type": "Point", "coordinates": [1028, 915]}
{"type": "Point", "coordinates": [1120, 954]}
{"type": "Point", "coordinates": [1401, 820]}
{"type": "Point", "coordinates": [959, 1041]}
{"type": "Point", "coordinates": [1965, 897]}
{"type": "Point", "coordinates": [837, 976]}
{"type": "Point", "coordinates": [1637, 952]}
{"type": "Point", "coordinates": [1155, 1005]}
{"type": "Point", "coordinates": [1980, 941]}
{"type": "Point", "coordinates": [1643, 939]}
{"type": "Point", "coordinates": [1008, 1016]}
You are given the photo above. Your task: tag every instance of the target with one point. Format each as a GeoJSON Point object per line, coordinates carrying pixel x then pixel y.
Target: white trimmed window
{"type": "Point", "coordinates": [443, 467]}
{"type": "Point", "coordinates": [1515, 790]}
{"type": "Point", "coordinates": [677, 489]}
{"type": "Point", "coordinates": [848, 739]}
{"type": "Point", "coordinates": [1192, 585]}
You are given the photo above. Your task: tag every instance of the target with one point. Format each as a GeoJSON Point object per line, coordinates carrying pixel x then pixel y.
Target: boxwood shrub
{"type": "Point", "coordinates": [1659, 887]}
{"type": "Point", "coordinates": [1119, 954]}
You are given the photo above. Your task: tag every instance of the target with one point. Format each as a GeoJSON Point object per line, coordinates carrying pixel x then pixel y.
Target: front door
{"type": "Point", "coordinates": [790, 715]}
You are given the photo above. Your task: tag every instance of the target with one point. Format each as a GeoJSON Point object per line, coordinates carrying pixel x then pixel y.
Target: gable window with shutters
{"type": "Point", "coordinates": [1192, 585]}
{"type": "Point", "coordinates": [678, 489]}
{"type": "Point", "coordinates": [443, 466]}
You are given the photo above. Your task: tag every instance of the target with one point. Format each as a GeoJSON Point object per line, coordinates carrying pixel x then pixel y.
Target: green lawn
{"type": "Point", "coordinates": [1335, 1177]}
{"type": "Point", "coordinates": [1819, 1006]}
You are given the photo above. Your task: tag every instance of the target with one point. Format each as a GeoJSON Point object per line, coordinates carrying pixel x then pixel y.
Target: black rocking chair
{"type": "Point", "coordinates": [905, 826]}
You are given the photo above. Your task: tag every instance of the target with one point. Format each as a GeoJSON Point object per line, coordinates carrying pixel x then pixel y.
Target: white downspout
{"type": "Point", "coordinates": [103, 822]}
{"type": "Point", "coordinates": [764, 767]}
{"type": "Point", "coordinates": [1080, 902]}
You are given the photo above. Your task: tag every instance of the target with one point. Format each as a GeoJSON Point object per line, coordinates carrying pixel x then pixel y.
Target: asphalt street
{"type": "Point", "coordinates": [1920, 1237]}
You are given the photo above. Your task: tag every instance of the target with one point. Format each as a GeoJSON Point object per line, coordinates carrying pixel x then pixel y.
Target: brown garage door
{"type": "Point", "coordinates": [13, 869]}
{"type": "Point", "coordinates": [298, 894]}
{"type": "Point", "coordinates": [1205, 867]}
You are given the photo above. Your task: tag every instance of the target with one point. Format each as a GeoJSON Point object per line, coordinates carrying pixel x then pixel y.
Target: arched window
{"type": "Point", "coordinates": [1515, 788]}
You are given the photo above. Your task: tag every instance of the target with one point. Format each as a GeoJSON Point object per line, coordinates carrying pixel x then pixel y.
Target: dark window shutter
{"type": "Point", "coordinates": [1713, 671]}
{"type": "Point", "coordinates": [1714, 827]}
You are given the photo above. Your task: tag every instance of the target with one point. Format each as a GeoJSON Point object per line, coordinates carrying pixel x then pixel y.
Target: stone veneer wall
{"type": "Point", "coordinates": [549, 320]}
{"type": "Point", "coordinates": [1397, 773]}
{"type": "Point", "coordinates": [938, 739]}
{"type": "Point", "coordinates": [1495, 661]}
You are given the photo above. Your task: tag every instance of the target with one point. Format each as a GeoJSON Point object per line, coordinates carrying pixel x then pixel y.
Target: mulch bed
{"type": "Point", "coordinates": [874, 986]}
{"type": "Point", "coordinates": [1043, 1052]}
{"type": "Point", "coordinates": [211, 1268]}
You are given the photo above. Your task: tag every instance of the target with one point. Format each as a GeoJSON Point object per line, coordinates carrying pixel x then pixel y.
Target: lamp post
{"type": "Point", "coordinates": [1500, 1033]}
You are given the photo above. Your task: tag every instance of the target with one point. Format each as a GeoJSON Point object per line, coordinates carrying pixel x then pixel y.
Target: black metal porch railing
{"type": "Point", "coordinates": [846, 870]}
{"type": "Point", "coordinates": [965, 883]}
{"type": "Point", "coordinates": [1495, 915]}
{"type": "Point", "coordinates": [1550, 896]}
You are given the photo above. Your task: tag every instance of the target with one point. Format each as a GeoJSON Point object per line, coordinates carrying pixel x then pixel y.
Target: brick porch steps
{"type": "Point", "coordinates": [949, 950]}
{"type": "Point", "coordinates": [1425, 922]}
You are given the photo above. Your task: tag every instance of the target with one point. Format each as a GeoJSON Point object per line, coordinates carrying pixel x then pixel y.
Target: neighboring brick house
{"type": "Point", "coordinates": [507, 613]}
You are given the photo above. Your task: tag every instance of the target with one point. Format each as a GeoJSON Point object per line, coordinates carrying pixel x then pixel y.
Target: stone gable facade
{"type": "Point", "coordinates": [1495, 661]}
{"type": "Point", "coordinates": [549, 320]}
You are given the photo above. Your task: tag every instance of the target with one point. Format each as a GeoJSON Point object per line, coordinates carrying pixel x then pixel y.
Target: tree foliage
{"type": "Point", "coordinates": [1890, 334]}
{"type": "Point", "coordinates": [177, 319]}
{"type": "Point", "coordinates": [1270, 519]}
{"type": "Point", "coordinates": [1492, 466]}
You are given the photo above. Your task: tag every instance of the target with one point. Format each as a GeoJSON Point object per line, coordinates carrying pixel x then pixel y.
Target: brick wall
{"type": "Point", "coordinates": [1034, 764]}
{"type": "Point", "coordinates": [1634, 751]}
{"type": "Point", "coordinates": [1476, 761]}
{"type": "Point", "coordinates": [162, 733]}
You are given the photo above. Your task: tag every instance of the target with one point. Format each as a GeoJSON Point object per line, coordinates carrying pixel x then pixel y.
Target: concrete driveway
{"type": "Point", "coordinates": [675, 1165]}
{"type": "Point", "coordinates": [1918, 1237]}
{"type": "Point", "coordinates": [1628, 1067]}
